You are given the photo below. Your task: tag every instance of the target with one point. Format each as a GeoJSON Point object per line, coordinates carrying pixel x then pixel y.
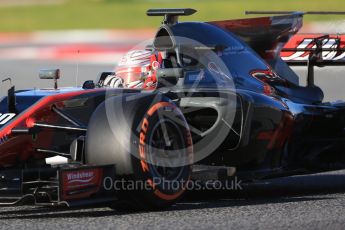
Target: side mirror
{"type": "Point", "coordinates": [50, 74]}
{"type": "Point", "coordinates": [89, 84]}
{"type": "Point", "coordinates": [169, 76]}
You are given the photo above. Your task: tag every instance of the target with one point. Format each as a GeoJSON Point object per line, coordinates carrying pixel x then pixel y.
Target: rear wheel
{"type": "Point", "coordinates": [149, 142]}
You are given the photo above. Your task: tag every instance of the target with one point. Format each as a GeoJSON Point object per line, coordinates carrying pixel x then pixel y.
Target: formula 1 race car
{"type": "Point", "coordinates": [225, 105]}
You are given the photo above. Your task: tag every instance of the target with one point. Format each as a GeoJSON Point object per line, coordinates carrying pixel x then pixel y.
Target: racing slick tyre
{"type": "Point", "coordinates": [148, 140]}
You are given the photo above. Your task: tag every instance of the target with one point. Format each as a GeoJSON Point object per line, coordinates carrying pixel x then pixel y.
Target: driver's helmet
{"type": "Point", "coordinates": [136, 70]}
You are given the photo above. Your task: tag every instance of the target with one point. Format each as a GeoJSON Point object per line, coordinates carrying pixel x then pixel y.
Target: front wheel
{"type": "Point", "coordinates": [148, 140]}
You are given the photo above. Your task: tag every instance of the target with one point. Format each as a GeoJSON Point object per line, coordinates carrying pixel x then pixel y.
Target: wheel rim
{"type": "Point", "coordinates": [166, 143]}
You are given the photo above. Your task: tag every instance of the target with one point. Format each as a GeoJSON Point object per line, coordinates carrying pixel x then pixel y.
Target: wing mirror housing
{"type": "Point", "coordinates": [89, 84]}
{"type": "Point", "coordinates": [53, 74]}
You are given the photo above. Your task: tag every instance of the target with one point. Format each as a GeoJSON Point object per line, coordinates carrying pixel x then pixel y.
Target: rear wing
{"type": "Point", "coordinates": [271, 38]}
{"type": "Point", "coordinates": [316, 51]}
{"type": "Point", "coordinates": [311, 49]}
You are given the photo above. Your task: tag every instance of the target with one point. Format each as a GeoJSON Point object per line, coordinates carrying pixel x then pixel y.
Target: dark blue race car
{"type": "Point", "coordinates": [225, 106]}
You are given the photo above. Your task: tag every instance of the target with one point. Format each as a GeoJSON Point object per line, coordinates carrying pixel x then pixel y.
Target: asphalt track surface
{"type": "Point", "coordinates": [300, 202]}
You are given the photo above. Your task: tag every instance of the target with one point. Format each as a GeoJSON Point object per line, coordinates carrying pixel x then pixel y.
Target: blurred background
{"type": "Point", "coordinates": [85, 37]}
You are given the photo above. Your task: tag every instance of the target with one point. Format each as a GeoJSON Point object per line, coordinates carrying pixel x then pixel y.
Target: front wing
{"type": "Point", "coordinates": [62, 186]}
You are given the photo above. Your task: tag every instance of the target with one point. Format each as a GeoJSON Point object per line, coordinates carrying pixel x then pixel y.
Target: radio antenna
{"type": "Point", "coordinates": [77, 73]}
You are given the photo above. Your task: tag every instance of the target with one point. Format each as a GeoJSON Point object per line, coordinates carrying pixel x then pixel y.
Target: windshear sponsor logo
{"type": "Point", "coordinates": [81, 177]}
{"type": "Point", "coordinates": [308, 43]}
{"type": "Point", "coordinates": [80, 183]}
